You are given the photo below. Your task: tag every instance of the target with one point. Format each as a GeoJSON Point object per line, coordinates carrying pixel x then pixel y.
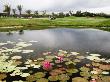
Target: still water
{"type": "Point", "coordinates": [80, 40]}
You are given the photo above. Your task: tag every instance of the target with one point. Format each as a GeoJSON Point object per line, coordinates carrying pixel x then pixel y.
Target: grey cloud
{"type": "Point", "coordinates": [58, 5]}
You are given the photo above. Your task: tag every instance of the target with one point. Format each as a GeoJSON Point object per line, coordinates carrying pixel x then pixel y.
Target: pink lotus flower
{"type": "Point", "coordinates": [93, 80]}
{"type": "Point", "coordinates": [60, 58]}
{"type": "Point", "coordinates": [47, 65]}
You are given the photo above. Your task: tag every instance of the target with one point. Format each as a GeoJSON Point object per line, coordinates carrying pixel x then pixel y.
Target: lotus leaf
{"type": "Point", "coordinates": [63, 77]}
{"type": "Point", "coordinates": [84, 69]}
{"type": "Point", "coordinates": [42, 80]}
{"type": "Point", "coordinates": [50, 57]}
{"type": "Point", "coordinates": [70, 62]}
{"type": "Point", "coordinates": [80, 57]}
{"type": "Point", "coordinates": [2, 76]}
{"type": "Point", "coordinates": [85, 74]}
{"type": "Point", "coordinates": [39, 75]}
{"type": "Point", "coordinates": [16, 57]}
{"type": "Point", "coordinates": [40, 59]}
{"type": "Point", "coordinates": [30, 78]}
{"type": "Point", "coordinates": [25, 74]}
{"type": "Point", "coordinates": [53, 78]}
{"type": "Point", "coordinates": [74, 53]}
{"type": "Point", "coordinates": [57, 71]}
{"type": "Point", "coordinates": [72, 70]}
{"type": "Point", "coordinates": [79, 79]}
{"type": "Point", "coordinates": [105, 79]}
{"type": "Point", "coordinates": [77, 60]}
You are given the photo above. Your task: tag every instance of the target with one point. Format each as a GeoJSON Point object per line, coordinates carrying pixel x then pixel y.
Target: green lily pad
{"type": "Point", "coordinates": [39, 75]}
{"type": "Point", "coordinates": [80, 57]}
{"type": "Point", "coordinates": [53, 78]}
{"type": "Point", "coordinates": [70, 62]}
{"type": "Point", "coordinates": [72, 70]}
{"type": "Point", "coordinates": [105, 79]}
{"type": "Point", "coordinates": [30, 78]}
{"type": "Point", "coordinates": [57, 72]}
{"type": "Point", "coordinates": [50, 57]}
{"type": "Point", "coordinates": [42, 80]}
{"type": "Point", "coordinates": [85, 74]}
{"type": "Point", "coordinates": [77, 60]}
{"type": "Point", "coordinates": [85, 69]}
{"type": "Point", "coordinates": [40, 59]}
{"type": "Point", "coordinates": [79, 79]}
{"type": "Point", "coordinates": [63, 77]}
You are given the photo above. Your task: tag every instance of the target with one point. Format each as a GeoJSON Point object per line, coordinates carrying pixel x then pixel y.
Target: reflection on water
{"type": "Point", "coordinates": [82, 40]}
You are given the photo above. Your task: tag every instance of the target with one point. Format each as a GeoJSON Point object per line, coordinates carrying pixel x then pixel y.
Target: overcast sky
{"type": "Point", "coordinates": [60, 5]}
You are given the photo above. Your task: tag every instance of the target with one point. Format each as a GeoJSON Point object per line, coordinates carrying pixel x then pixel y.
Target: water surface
{"type": "Point", "coordinates": [80, 40]}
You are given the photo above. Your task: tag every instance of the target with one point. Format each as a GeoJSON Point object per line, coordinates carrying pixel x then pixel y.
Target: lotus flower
{"type": "Point", "coordinates": [60, 58]}
{"type": "Point", "coordinates": [47, 65]}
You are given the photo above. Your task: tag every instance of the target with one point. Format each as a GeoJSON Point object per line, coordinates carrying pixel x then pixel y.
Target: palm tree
{"type": "Point", "coordinates": [7, 9]}
{"type": "Point", "coordinates": [28, 12]}
{"type": "Point", "coordinates": [20, 7]}
{"type": "Point", "coordinates": [14, 11]}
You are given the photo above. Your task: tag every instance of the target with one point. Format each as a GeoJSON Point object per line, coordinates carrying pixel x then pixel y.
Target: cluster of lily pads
{"type": "Point", "coordinates": [62, 66]}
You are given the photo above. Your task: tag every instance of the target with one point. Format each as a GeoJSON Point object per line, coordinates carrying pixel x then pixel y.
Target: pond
{"type": "Point", "coordinates": [31, 45]}
{"type": "Point", "coordinates": [81, 40]}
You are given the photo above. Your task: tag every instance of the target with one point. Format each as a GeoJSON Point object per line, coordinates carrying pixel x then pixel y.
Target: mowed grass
{"type": "Point", "coordinates": [42, 23]}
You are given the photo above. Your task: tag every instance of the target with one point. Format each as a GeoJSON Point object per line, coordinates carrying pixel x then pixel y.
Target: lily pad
{"type": "Point", "coordinates": [42, 80]}
{"type": "Point", "coordinates": [39, 75]}
{"type": "Point", "coordinates": [72, 70]}
{"type": "Point", "coordinates": [2, 76]}
{"type": "Point", "coordinates": [63, 77]}
{"type": "Point", "coordinates": [79, 79]}
{"type": "Point", "coordinates": [53, 78]}
{"type": "Point", "coordinates": [50, 57]}
{"type": "Point", "coordinates": [85, 74]}
{"type": "Point", "coordinates": [30, 78]}
{"type": "Point", "coordinates": [84, 69]}
{"type": "Point", "coordinates": [16, 57]}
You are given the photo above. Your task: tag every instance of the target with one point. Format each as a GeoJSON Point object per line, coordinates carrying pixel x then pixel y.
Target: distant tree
{"type": "Point", "coordinates": [44, 13]}
{"type": "Point", "coordinates": [28, 12]}
{"type": "Point", "coordinates": [67, 14]}
{"type": "Point", "coordinates": [20, 7]}
{"type": "Point", "coordinates": [14, 11]}
{"type": "Point", "coordinates": [70, 13]}
{"type": "Point", "coordinates": [53, 14]}
{"type": "Point", "coordinates": [7, 9]}
{"type": "Point", "coordinates": [87, 14]}
{"type": "Point", "coordinates": [61, 15]}
{"type": "Point", "coordinates": [36, 13]}
{"type": "Point", "coordinates": [78, 14]}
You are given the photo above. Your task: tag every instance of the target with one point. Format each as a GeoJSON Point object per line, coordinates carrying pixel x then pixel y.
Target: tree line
{"type": "Point", "coordinates": [7, 13]}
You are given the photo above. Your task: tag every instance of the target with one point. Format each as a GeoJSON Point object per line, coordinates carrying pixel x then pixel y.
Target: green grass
{"type": "Point", "coordinates": [42, 23]}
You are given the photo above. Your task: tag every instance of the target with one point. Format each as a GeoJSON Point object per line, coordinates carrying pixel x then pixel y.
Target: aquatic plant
{"type": "Point", "coordinates": [63, 77]}
{"type": "Point", "coordinates": [71, 70]}
{"type": "Point", "coordinates": [53, 78]}
{"type": "Point", "coordinates": [2, 76]}
{"type": "Point", "coordinates": [60, 58]}
{"type": "Point", "coordinates": [47, 65]}
{"type": "Point", "coordinates": [42, 80]}
{"type": "Point", "coordinates": [79, 79]}
{"type": "Point", "coordinates": [39, 75]}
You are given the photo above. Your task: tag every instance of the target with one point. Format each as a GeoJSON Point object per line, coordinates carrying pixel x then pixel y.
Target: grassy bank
{"type": "Point", "coordinates": [42, 23]}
